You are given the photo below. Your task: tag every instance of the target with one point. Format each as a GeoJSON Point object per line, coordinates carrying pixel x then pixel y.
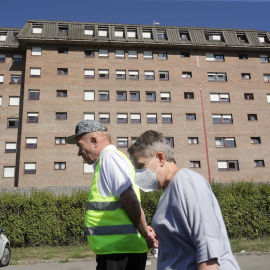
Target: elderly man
{"type": "Point", "coordinates": [188, 221]}
{"type": "Point", "coordinates": [115, 223]}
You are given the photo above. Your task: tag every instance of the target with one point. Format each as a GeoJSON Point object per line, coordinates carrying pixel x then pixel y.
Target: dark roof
{"type": "Point", "coordinates": [197, 35]}
{"type": "Point", "coordinates": [11, 37]}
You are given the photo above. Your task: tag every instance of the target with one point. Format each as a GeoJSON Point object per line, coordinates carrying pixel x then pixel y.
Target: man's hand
{"type": "Point", "coordinates": [151, 240]}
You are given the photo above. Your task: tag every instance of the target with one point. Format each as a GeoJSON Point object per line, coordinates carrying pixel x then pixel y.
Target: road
{"type": "Point", "coordinates": [246, 262]}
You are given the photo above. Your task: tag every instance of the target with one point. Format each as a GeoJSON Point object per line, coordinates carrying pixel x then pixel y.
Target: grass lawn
{"type": "Point", "coordinates": [66, 253]}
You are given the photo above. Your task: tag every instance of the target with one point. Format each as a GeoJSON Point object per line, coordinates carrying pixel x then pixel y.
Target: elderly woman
{"type": "Point", "coordinates": [188, 221]}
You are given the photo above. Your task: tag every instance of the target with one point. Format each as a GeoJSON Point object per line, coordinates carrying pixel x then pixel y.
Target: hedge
{"type": "Point", "coordinates": [46, 219]}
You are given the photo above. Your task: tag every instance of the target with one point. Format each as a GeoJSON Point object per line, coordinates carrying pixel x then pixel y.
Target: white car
{"type": "Point", "coordinates": [4, 249]}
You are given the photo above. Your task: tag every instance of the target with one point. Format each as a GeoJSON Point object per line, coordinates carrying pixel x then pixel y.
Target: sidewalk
{"type": "Point", "coordinates": [247, 262]}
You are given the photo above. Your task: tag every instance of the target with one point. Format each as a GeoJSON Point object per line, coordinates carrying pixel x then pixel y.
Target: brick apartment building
{"type": "Point", "coordinates": [206, 89]}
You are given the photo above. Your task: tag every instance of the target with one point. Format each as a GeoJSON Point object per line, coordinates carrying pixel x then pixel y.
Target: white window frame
{"type": "Point", "coordinates": [119, 33]}
{"type": "Point", "coordinates": [35, 72]}
{"type": "Point", "coordinates": [89, 95]}
{"type": "Point", "coordinates": [9, 171]}
{"type": "Point", "coordinates": [131, 34]}
{"type": "Point", "coordinates": [120, 74]}
{"type": "Point", "coordinates": [122, 117]}
{"type": "Point", "coordinates": [133, 74]}
{"type": "Point", "coordinates": [266, 78]}
{"type": "Point", "coordinates": [14, 101]}
{"type": "Point", "coordinates": [37, 30]}
{"type": "Point", "coordinates": [103, 53]}
{"type": "Point", "coordinates": [3, 37]}
{"type": "Point", "coordinates": [146, 34]}
{"type": "Point", "coordinates": [89, 73]}
{"type": "Point", "coordinates": [1, 78]}
{"type": "Point", "coordinates": [120, 53]}
{"type": "Point", "coordinates": [122, 142]}
{"type": "Point", "coordinates": [103, 33]}
{"type": "Point", "coordinates": [132, 54]}
{"type": "Point", "coordinates": [29, 167]}
{"type": "Point", "coordinates": [36, 50]}
{"type": "Point", "coordinates": [11, 146]}
{"type": "Point", "coordinates": [148, 55]}
{"type": "Point", "coordinates": [135, 117]}
{"type": "Point", "coordinates": [89, 32]}
{"type": "Point", "coordinates": [89, 116]}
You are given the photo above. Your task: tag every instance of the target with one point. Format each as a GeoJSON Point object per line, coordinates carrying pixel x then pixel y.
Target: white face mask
{"type": "Point", "coordinates": [146, 179]}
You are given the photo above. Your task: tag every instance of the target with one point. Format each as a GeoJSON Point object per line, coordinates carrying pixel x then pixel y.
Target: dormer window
{"type": "Point", "coordinates": [147, 34]}
{"type": "Point", "coordinates": [3, 36]}
{"type": "Point", "coordinates": [214, 37]}
{"type": "Point", "coordinates": [184, 36]}
{"type": "Point", "coordinates": [119, 33]}
{"type": "Point", "coordinates": [63, 29]}
{"type": "Point", "coordinates": [37, 29]}
{"type": "Point", "coordinates": [131, 33]}
{"type": "Point", "coordinates": [102, 32]}
{"type": "Point", "coordinates": [89, 32]}
{"type": "Point", "coordinates": [242, 38]}
{"type": "Point", "coordinates": [161, 35]}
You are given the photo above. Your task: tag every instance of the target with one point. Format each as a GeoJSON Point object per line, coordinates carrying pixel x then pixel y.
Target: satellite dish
{"type": "Point", "coordinates": [156, 23]}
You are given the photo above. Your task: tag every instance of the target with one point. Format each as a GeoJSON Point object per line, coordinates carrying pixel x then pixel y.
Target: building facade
{"type": "Point", "coordinates": [207, 90]}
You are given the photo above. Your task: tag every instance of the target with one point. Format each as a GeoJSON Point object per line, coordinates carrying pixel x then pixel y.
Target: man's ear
{"type": "Point", "coordinates": [94, 140]}
{"type": "Point", "coordinates": [161, 157]}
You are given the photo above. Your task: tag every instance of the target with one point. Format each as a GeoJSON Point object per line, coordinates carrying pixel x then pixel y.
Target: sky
{"type": "Point", "coordinates": [213, 13]}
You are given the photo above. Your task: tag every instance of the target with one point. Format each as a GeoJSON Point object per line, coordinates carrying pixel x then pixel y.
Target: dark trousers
{"type": "Point", "coordinates": [125, 261]}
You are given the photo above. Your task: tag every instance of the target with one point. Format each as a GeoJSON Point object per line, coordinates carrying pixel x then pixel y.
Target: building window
{"type": "Point", "coordinates": [268, 98]}
{"type": "Point", "coordinates": [103, 95]}
{"type": "Point", "coordinates": [147, 34]}
{"type": "Point", "coordinates": [193, 140]}
{"type": "Point", "coordinates": [87, 168]}
{"type": "Point", "coordinates": [1, 78]}
{"type": "Point", "coordinates": [135, 118]}
{"type": "Point", "coordinates": [89, 53]}
{"type": "Point", "coordinates": [89, 116]}
{"type": "Point", "coordinates": [9, 171]}
{"type": "Point", "coordinates": [62, 71]}
{"type": "Point", "coordinates": [61, 116]}
{"type": "Point", "coordinates": [120, 53]}
{"type": "Point", "coordinates": [262, 39]}
{"type": "Point", "coordinates": [104, 118]}
{"type": "Point", "coordinates": [164, 75]}
{"type": "Point", "coordinates": [12, 122]}
{"type": "Point", "coordinates": [214, 57]}
{"type": "Point", "coordinates": [264, 58]}
{"type": "Point", "coordinates": [132, 54]}
{"type": "Point", "coordinates": [35, 72]}
{"type": "Point", "coordinates": [121, 95]}
{"type": "Point", "coordinates": [134, 96]}
{"type": "Point", "coordinates": [33, 95]}
{"type": "Point", "coordinates": [259, 163]}
{"type": "Point", "coordinates": [131, 34]}
{"type": "Point", "coordinates": [161, 35]}
{"type": "Point", "coordinates": [2, 58]}
{"type": "Point", "coordinates": [14, 101]}
{"type": "Point", "coordinates": [148, 55]}
{"type": "Point", "coordinates": [166, 118]}
{"type": "Point", "coordinates": [15, 79]}
{"type": "Point", "coordinates": [17, 58]}
{"type": "Point", "coordinates": [255, 140]}
{"type": "Point", "coordinates": [89, 95]}
{"type": "Point", "coordinates": [32, 117]}
{"type": "Point", "coordinates": [165, 96]}
{"type": "Point", "coordinates": [59, 165]}
{"type": "Point", "coordinates": [184, 54]}
{"type": "Point", "coordinates": [31, 142]}
{"type": "Point", "coordinates": [242, 38]}
{"type": "Point", "coordinates": [10, 147]}
{"type": "Point", "coordinates": [122, 142]}
{"type": "Point", "coordinates": [170, 141]}
{"type": "Point", "coordinates": [62, 50]}
{"type": "Point", "coordinates": [190, 116]}
{"type": "Point", "coordinates": [218, 97]}
{"type": "Point", "coordinates": [36, 51]}
{"type": "Point", "coordinates": [194, 164]}
{"type": "Point", "coordinates": [103, 33]}
{"type": "Point", "coordinates": [133, 74]}
{"type": "Point", "coordinates": [89, 32]}
{"type": "Point", "coordinates": [249, 96]}
{"type": "Point", "coordinates": [150, 96]}
{"type": "Point", "coordinates": [89, 73]}
{"type": "Point", "coordinates": [228, 165]}
{"type": "Point", "coordinates": [222, 119]}
{"type": "Point", "coordinates": [30, 168]}
{"type": "Point", "coordinates": [188, 95]}
{"type": "Point", "coordinates": [0, 100]}
{"type": "Point", "coordinates": [151, 118]}
{"type": "Point", "coordinates": [122, 118]}
{"type": "Point", "coordinates": [120, 74]}
{"type": "Point", "coordinates": [162, 55]}
{"type": "Point", "coordinates": [61, 93]}
{"type": "Point", "coordinates": [214, 37]}
{"type": "Point", "coordinates": [266, 78]}
{"type": "Point", "coordinates": [225, 142]}
{"type": "Point", "coordinates": [149, 75]}
{"type": "Point", "coordinates": [103, 73]}
{"type": "Point", "coordinates": [217, 77]}
{"type": "Point", "coordinates": [3, 36]}
{"type": "Point", "coordinates": [60, 140]}
{"type": "Point", "coordinates": [252, 117]}
{"type": "Point", "coordinates": [119, 33]}
{"type": "Point", "coordinates": [37, 30]}
{"type": "Point", "coordinates": [243, 56]}
{"type": "Point", "coordinates": [63, 30]}
{"type": "Point", "coordinates": [245, 76]}
{"type": "Point", "coordinates": [186, 74]}
{"type": "Point", "coordinates": [103, 53]}
{"type": "Point", "coordinates": [133, 140]}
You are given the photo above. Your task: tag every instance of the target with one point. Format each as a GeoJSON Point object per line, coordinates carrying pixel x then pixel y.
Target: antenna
{"type": "Point", "coordinates": [156, 23]}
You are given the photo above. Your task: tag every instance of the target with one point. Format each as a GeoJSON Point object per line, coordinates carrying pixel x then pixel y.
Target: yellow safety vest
{"type": "Point", "coordinates": [108, 227]}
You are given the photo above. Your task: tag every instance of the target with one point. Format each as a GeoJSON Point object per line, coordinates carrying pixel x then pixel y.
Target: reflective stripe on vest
{"type": "Point", "coordinates": [108, 227]}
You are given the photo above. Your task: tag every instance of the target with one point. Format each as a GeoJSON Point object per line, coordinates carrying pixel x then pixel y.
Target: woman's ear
{"type": "Point", "coordinates": [161, 157]}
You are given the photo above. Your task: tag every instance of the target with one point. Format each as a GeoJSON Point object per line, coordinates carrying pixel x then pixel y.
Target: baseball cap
{"type": "Point", "coordinates": [85, 126]}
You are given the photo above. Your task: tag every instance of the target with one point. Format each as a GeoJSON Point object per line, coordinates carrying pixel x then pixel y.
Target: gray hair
{"type": "Point", "coordinates": [149, 144]}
